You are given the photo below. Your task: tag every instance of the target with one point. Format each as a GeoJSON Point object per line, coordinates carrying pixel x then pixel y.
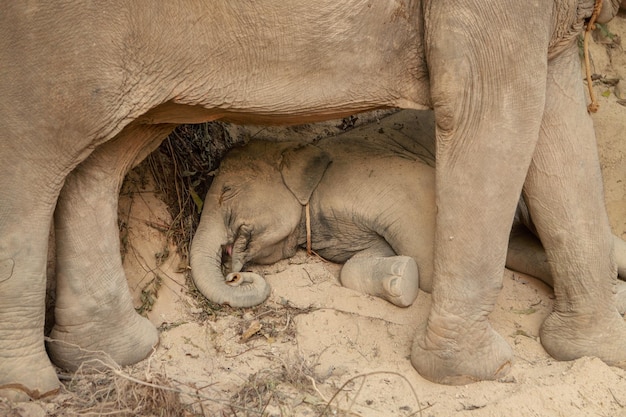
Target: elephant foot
{"type": "Point", "coordinates": [124, 340]}
{"type": "Point", "coordinates": [393, 278]}
{"type": "Point", "coordinates": [460, 353]}
{"type": "Point", "coordinates": [567, 336]}
{"type": "Point", "coordinates": [27, 377]}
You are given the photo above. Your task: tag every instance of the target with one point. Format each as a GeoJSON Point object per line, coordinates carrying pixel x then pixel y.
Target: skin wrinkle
{"type": "Point", "coordinates": [572, 299]}
{"type": "Point", "coordinates": [147, 67]}
{"type": "Point", "coordinates": [456, 325]}
{"type": "Point", "coordinates": [124, 71]}
{"type": "Point", "coordinates": [555, 173]}
{"type": "Point", "coordinates": [328, 244]}
{"type": "Point", "coordinates": [574, 13]}
{"type": "Point", "coordinates": [471, 107]}
{"type": "Point", "coordinates": [563, 90]}
{"type": "Point", "coordinates": [314, 64]}
{"type": "Point", "coordinates": [389, 220]}
{"type": "Point", "coordinates": [566, 12]}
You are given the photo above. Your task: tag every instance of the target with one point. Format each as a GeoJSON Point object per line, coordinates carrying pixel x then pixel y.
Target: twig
{"type": "Point", "coordinates": [110, 365]}
{"type": "Point", "coordinates": [419, 409]}
{"type": "Point", "coordinates": [322, 396]}
{"type": "Point", "coordinates": [267, 403]}
{"type": "Point", "coordinates": [358, 392]}
{"type": "Point", "coordinates": [615, 398]}
{"type": "Point", "coordinates": [307, 211]}
{"type": "Point", "coordinates": [593, 106]}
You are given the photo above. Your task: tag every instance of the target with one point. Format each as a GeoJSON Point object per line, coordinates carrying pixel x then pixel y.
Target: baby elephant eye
{"type": "Point", "coordinates": [227, 193]}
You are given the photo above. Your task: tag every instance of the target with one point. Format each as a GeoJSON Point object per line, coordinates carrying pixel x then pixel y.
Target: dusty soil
{"type": "Point", "coordinates": [315, 347]}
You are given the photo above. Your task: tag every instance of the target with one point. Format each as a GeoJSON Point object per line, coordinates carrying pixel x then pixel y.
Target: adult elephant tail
{"type": "Point", "coordinates": [237, 289]}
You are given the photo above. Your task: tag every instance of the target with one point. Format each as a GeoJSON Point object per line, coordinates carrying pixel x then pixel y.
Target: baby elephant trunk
{"type": "Point", "coordinates": [238, 289]}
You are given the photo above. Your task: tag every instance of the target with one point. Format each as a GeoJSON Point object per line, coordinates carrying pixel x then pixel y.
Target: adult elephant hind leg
{"type": "Point", "coordinates": [564, 192]}
{"type": "Point", "coordinates": [488, 109]}
{"type": "Point", "coordinates": [382, 273]}
{"type": "Point", "coordinates": [94, 314]}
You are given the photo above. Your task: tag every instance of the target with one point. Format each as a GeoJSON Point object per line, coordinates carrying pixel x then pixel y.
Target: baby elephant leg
{"type": "Point", "coordinates": [391, 277]}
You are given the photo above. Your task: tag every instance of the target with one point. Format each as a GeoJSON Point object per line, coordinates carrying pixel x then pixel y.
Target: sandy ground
{"type": "Point", "coordinates": [318, 343]}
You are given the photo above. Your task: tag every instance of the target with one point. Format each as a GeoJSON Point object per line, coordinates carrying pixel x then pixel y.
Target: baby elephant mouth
{"type": "Point", "coordinates": [226, 258]}
{"type": "Point", "coordinates": [229, 263]}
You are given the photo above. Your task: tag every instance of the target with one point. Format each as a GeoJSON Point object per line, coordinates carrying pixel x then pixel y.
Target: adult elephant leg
{"type": "Point", "coordinates": [564, 192]}
{"type": "Point", "coordinates": [29, 186]}
{"type": "Point", "coordinates": [26, 211]}
{"type": "Point", "coordinates": [94, 314]}
{"type": "Point", "coordinates": [527, 255]}
{"type": "Point", "coordinates": [487, 71]}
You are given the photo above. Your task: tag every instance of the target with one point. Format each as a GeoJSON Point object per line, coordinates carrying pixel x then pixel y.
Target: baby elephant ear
{"type": "Point", "coordinates": [302, 169]}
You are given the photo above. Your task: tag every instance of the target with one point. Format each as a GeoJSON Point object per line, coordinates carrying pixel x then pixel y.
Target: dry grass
{"type": "Point", "coordinates": [290, 388]}
{"type": "Point", "coordinates": [287, 386]}
{"type": "Point", "coordinates": [183, 169]}
{"type": "Point", "coordinates": [107, 391]}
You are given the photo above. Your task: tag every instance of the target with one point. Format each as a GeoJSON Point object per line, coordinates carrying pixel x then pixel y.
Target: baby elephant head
{"type": "Point", "coordinates": [253, 214]}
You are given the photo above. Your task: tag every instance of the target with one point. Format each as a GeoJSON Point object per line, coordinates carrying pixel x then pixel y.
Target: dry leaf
{"type": "Point", "coordinates": [254, 328]}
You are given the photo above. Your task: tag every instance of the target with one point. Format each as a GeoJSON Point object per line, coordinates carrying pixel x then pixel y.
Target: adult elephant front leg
{"type": "Point", "coordinates": [487, 88]}
{"type": "Point", "coordinates": [28, 192]}
{"type": "Point", "coordinates": [564, 192]}
{"type": "Point", "coordinates": [94, 314]}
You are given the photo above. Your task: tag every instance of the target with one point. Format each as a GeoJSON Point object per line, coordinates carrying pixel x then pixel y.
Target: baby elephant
{"type": "Point", "coordinates": [365, 202]}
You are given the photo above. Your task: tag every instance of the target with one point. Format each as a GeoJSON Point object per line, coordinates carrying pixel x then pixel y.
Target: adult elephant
{"type": "Point", "coordinates": [87, 89]}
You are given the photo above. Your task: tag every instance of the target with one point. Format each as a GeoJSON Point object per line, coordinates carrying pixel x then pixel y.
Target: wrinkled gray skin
{"type": "Point", "coordinates": [88, 88]}
{"type": "Point", "coordinates": [372, 207]}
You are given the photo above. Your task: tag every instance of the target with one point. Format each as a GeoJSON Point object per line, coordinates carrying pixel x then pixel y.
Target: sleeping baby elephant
{"type": "Point", "coordinates": [367, 202]}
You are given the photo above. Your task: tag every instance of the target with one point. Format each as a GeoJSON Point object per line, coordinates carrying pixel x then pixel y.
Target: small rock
{"type": "Point", "coordinates": [509, 379]}
{"type": "Point", "coordinates": [30, 410]}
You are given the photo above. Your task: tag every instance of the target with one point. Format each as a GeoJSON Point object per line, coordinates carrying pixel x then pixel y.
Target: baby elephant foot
{"type": "Point", "coordinates": [567, 336]}
{"type": "Point", "coordinates": [124, 339]}
{"type": "Point", "coordinates": [393, 278]}
{"type": "Point", "coordinates": [453, 352]}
